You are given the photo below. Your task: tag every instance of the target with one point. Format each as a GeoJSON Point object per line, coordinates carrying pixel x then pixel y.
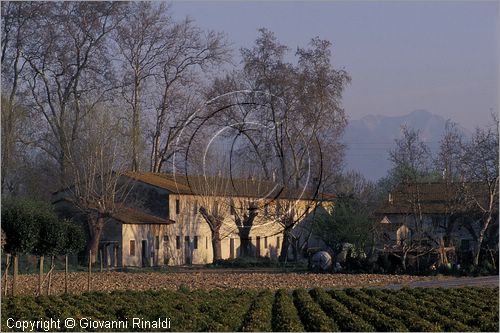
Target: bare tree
{"type": "Point", "coordinates": [141, 38]}
{"type": "Point", "coordinates": [479, 185]}
{"type": "Point", "coordinates": [98, 189]}
{"type": "Point", "coordinates": [69, 71]}
{"type": "Point", "coordinates": [447, 162]}
{"type": "Point", "coordinates": [190, 52]}
{"type": "Point", "coordinates": [411, 165]}
{"type": "Point", "coordinates": [16, 20]}
{"type": "Point", "coordinates": [297, 109]}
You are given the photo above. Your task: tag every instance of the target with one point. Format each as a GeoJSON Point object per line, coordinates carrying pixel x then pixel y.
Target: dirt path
{"type": "Point", "coordinates": [109, 281]}
{"type": "Point", "coordinates": [452, 282]}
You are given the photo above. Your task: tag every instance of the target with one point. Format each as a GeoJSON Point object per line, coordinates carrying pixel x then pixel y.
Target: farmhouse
{"type": "Point", "coordinates": [434, 215]}
{"type": "Point", "coordinates": [160, 222]}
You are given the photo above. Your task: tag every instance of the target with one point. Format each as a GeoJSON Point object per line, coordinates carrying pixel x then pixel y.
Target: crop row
{"type": "Point", "coordinates": [467, 309]}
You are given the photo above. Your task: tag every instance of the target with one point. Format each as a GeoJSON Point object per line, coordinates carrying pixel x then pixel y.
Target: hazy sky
{"type": "Point", "coordinates": [441, 56]}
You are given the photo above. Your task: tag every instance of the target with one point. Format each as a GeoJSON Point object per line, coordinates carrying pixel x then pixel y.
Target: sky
{"type": "Point", "coordinates": [439, 56]}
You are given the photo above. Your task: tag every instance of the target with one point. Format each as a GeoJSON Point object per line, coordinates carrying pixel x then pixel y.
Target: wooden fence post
{"type": "Point", "coordinates": [52, 266]}
{"type": "Point", "coordinates": [66, 274]}
{"type": "Point", "coordinates": [14, 277]}
{"type": "Point", "coordinates": [6, 273]}
{"type": "Point", "coordinates": [40, 275]}
{"type": "Point", "coordinates": [90, 269]}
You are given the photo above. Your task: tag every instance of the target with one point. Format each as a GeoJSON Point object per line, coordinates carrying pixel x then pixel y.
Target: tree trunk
{"type": "Point", "coordinates": [90, 272]}
{"type": "Point", "coordinates": [136, 124]}
{"type": "Point", "coordinates": [403, 261]}
{"type": "Point", "coordinates": [245, 250]}
{"type": "Point", "coordinates": [95, 230]}
{"type": "Point", "coordinates": [216, 245]}
{"type": "Point", "coordinates": [66, 274]}
{"type": "Point", "coordinates": [285, 245]}
{"type": "Point", "coordinates": [479, 242]}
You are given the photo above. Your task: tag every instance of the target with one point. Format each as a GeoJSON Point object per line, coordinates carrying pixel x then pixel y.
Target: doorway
{"type": "Point", "coordinates": [231, 248]}
{"type": "Point", "coordinates": [144, 253]}
{"type": "Point", "coordinates": [187, 250]}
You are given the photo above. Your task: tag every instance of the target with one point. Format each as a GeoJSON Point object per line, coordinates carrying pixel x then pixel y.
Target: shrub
{"type": "Point", "coordinates": [244, 262]}
{"type": "Point", "coordinates": [313, 318]}
{"type": "Point", "coordinates": [408, 318]}
{"type": "Point", "coordinates": [285, 316]}
{"type": "Point", "coordinates": [346, 320]}
{"type": "Point", "coordinates": [380, 321]}
{"type": "Point", "coordinates": [258, 318]}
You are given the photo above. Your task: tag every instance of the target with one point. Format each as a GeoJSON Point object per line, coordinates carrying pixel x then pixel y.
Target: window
{"type": "Point", "coordinates": [278, 243]}
{"type": "Point", "coordinates": [186, 239]}
{"type": "Point", "coordinates": [195, 207]}
{"type": "Point", "coordinates": [195, 242]}
{"type": "Point", "coordinates": [132, 247]}
{"type": "Point", "coordinates": [177, 242]}
{"type": "Point", "coordinates": [177, 206]}
{"type": "Point", "coordinates": [265, 242]}
{"type": "Point", "coordinates": [157, 242]}
{"type": "Point", "coordinates": [165, 238]}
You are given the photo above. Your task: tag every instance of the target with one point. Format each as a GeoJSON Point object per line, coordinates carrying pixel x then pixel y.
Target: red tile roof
{"type": "Point", "coordinates": [220, 186]}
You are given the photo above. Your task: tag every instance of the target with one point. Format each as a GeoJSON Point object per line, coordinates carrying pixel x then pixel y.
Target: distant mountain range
{"type": "Point", "coordinates": [370, 138]}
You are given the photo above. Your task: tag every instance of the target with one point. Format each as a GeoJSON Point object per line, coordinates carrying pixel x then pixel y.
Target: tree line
{"type": "Point", "coordinates": [466, 169]}
{"type": "Point", "coordinates": [31, 227]}
{"type": "Point", "coordinates": [92, 89]}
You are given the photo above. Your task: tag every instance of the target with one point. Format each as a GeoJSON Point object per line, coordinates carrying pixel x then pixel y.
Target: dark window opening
{"type": "Point", "coordinates": [157, 242]}
{"type": "Point", "coordinates": [177, 206]}
{"type": "Point", "coordinates": [265, 242]}
{"type": "Point", "coordinates": [195, 242]}
{"type": "Point", "coordinates": [177, 242]}
{"type": "Point", "coordinates": [165, 238]}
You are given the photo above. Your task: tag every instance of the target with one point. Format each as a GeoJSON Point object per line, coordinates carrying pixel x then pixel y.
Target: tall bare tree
{"type": "Point", "coordinates": [17, 18]}
{"type": "Point", "coordinates": [142, 38]}
{"type": "Point", "coordinates": [190, 53]}
{"type": "Point", "coordinates": [479, 185]}
{"type": "Point", "coordinates": [98, 189]}
{"type": "Point", "coordinates": [447, 162]}
{"type": "Point", "coordinates": [69, 71]}
{"type": "Point", "coordinates": [289, 114]}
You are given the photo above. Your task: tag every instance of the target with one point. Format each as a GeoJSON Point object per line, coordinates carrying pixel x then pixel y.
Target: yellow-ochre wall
{"type": "Point", "coordinates": [169, 244]}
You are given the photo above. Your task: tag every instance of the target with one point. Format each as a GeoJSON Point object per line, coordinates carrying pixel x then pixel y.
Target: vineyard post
{"type": "Point", "coordinates": [52, 265]}
{"type": "Point", "coordinates": [40, 275]}
{"type": "Point", "coordinates": [14, 277]}
{"type": "Point", "coordinates": [65, 273]}
{"type": "Point", "coordinates": [90, 269]}
{"type": "Point", "coordinates": [6, 272]}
